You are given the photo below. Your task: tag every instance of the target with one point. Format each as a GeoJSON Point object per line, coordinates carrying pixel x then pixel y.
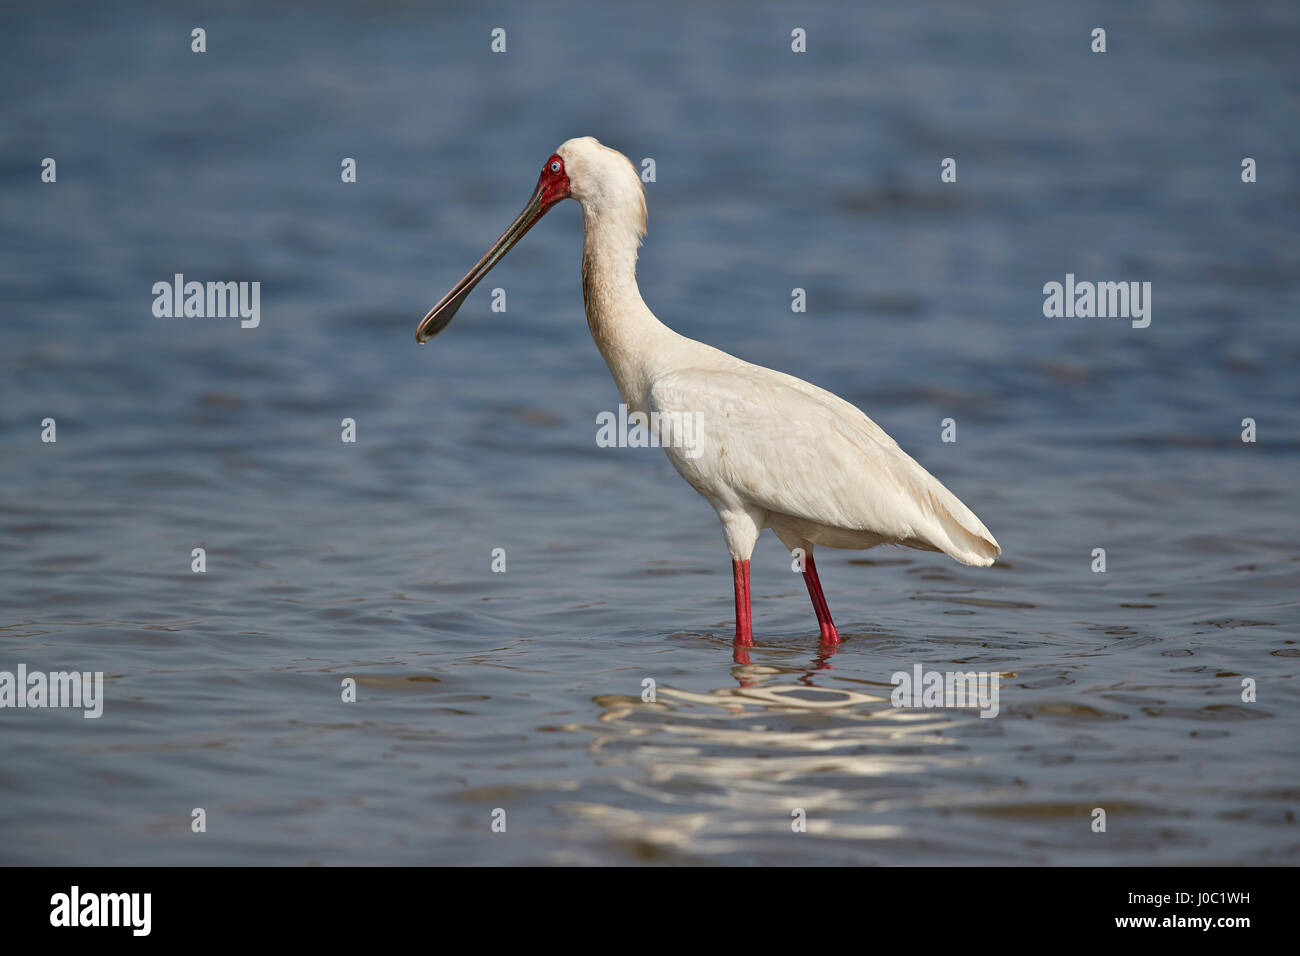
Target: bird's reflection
{"type": "Point", "coordinates": [740, 656]}
{"type": "Point", "coordinates": [732, 763]}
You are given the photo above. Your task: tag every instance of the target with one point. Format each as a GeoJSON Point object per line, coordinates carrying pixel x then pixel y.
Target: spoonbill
{"type": "Point", "coordinates": [772, 451]}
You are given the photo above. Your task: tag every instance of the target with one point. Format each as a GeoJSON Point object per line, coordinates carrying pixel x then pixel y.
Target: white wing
{"type": "Point", "coordinates": [788, 447]}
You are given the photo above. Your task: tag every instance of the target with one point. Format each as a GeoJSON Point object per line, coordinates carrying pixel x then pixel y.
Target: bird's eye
{"type": "Point", "coordinates": [555, 166]}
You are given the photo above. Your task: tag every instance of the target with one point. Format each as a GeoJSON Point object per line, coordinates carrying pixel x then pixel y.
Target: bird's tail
{"type": "Point", "coordinates": [963, 536]}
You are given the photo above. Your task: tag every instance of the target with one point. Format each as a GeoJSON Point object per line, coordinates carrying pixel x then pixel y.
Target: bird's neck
{"type": "Point", "coordinates": [624, 329]}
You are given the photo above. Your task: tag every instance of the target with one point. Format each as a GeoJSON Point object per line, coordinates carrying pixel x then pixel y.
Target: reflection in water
{"type": "Point", "coordinates": [740, 655]}
{"type": "Point", "coordinates": [749, 757]}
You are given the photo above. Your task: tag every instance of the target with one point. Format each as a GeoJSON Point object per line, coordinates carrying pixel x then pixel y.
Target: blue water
{"type": "Point", "coordinates": [521, 691]}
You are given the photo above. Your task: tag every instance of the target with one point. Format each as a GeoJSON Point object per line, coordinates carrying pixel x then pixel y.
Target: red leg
{"type": "Point", "coordinates": [744, 623]}
{"type": "Point", "coordinates": [820, 607]}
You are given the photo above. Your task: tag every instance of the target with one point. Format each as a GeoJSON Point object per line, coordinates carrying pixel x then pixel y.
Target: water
{"type": "Point", "coordinates": [521, 690]}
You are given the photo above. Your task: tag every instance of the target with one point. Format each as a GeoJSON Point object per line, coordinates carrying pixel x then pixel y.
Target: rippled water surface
{"type": "Point", "coordinates": [522, 691]}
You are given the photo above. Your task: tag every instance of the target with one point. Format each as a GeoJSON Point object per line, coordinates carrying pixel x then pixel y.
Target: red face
{"type": "Point", "coordinates": [553, 184]}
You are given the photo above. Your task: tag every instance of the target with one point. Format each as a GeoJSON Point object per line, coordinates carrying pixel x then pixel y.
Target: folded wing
{"type": "Point", "coordinates": [788, 447]}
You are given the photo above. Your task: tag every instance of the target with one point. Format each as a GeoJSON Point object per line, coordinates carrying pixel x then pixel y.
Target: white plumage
{"type": "Point", "coordinates": [772, 451]}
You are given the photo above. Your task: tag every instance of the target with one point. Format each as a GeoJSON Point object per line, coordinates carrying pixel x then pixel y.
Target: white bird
{"type": "Point", "coordinates": [771, 450]}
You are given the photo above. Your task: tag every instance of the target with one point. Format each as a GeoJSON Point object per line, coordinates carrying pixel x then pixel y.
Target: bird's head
{"type": "Point", "coordinates": [602, 179]}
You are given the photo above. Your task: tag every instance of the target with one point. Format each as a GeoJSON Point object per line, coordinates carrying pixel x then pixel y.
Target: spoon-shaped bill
{"type": "Point", "coordinates": [442, 313]}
